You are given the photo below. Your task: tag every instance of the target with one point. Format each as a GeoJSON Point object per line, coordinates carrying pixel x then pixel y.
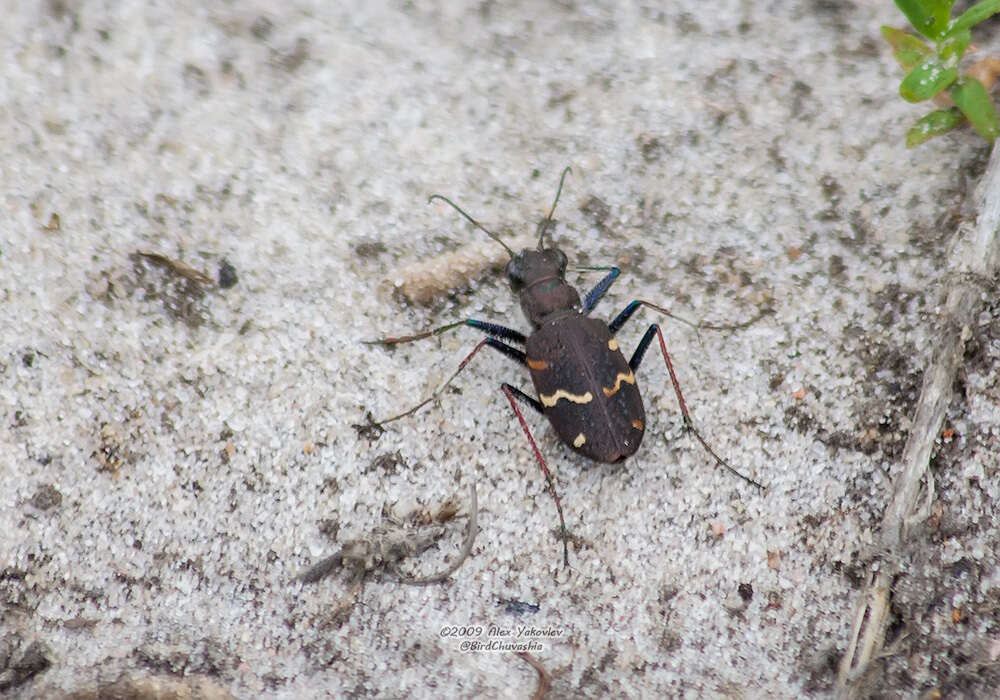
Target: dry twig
{"type": "Point", "coordinates": [544, 679]}
{"type": "Point", "coordinates": [470, 538]}
{"type": "Point", "coordinates": [386, 548]}
{"type": "Point", "coordinates": [974, 257]}
{"type": "Point", "coordinates": [177, 267]}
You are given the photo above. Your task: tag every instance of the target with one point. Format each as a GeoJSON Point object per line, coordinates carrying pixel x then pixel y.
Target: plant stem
{"type": "Point", "coordinates": [974, 260]}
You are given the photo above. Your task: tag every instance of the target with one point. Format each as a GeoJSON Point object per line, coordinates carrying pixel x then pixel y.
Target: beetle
{"type": "Point", "coordinates": [584, 385]}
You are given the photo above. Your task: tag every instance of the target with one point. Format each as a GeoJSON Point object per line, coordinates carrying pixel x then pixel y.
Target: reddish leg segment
{"type": "Point", "coordinates": [510, 393]}
{"type": "Point", "coordinates": [688, 423]}
{"type": "Point", "coordinates": [492, 342]}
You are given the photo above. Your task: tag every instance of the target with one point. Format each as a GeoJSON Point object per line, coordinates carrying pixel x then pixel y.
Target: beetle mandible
{"type": "Point", "coordinates": [585, 386]}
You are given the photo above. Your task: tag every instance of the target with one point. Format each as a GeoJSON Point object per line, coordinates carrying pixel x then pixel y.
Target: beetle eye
{"type": "Point", "coordinates": [561, 260]}
{"type": "Point", "coordinates": [515, 274]}
{"type": "Point", "coordinates": [556, 257]}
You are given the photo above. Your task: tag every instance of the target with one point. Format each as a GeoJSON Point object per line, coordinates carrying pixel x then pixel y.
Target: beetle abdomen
{"type": "Point", "coordinates": [586, 387]}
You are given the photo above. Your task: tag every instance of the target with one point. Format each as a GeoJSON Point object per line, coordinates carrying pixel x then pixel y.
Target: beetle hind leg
{"type": "Point", "coordinates": [640, 351]}
{"type": "Point", "coordinates": [491, 329]}
{"type": "Point", "coordinates": [511, 352]}
{"type": "Point", "coordinates": [513, 393]}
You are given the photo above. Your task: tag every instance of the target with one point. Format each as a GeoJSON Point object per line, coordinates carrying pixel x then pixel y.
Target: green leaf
{"type": "Point", "coordinates": [934, 124]}
{"type": "Point", "coordinates": [952, 47]}
{"type": "Point", "coordinates": [907, 49]}
{"type": "Point", "coordinates": [929, 17]}
{"type": "Point", "coordinates": [974, 15]}
{"type": "Point", "coordinates": [926, 80]}
{"type": "Point", "coordinates": [971, 97]}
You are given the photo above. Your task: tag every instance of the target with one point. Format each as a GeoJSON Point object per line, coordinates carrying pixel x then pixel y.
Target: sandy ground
{"type": "Point", "coordinates": [175, 450]}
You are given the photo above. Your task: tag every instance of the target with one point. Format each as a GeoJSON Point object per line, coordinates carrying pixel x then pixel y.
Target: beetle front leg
{"type": "Point", "coordinates": [622, 318]}
{"type": "Point", "coordinates": [600, 289]}
{"type": "Point", "coordinates": [627, 312]}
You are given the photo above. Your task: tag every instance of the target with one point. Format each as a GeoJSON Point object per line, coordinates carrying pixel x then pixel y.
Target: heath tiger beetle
{"type": "Point", "coordinates": [585, 387]}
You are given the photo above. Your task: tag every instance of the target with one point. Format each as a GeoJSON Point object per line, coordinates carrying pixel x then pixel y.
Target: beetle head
{"type": "Point", "coordinates": [537, 277]}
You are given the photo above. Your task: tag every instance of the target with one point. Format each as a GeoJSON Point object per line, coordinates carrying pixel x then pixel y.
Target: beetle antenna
{"type": "Point", "coordinates": [548, 219]}
{"type": "Point", "coordinates": [472, 221]}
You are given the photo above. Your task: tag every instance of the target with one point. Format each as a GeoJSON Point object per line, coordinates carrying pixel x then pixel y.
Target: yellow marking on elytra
{"type": "Point", "coordinates": [612, 344]}
{"type": "Point", "coordinates": [537, 364]}
{"type": "Point", "coordinates": [551, 399]}
{"type": "Point", "coordinates": [637, 424]}
{"type": "Point", "coordinates": [622, 377]}
{"type": "Point", "coordinates": [579, 440]}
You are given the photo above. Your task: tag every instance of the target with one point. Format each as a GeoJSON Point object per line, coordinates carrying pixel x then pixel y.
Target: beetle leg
{"type": "Point", "coordinates": [511, 352]}
{"type": "Point", "coordinates": [595, 294]}
{"type": "Point", "coordinates": [627, 312]}
{"type": "Point", "coordinates": [525, 398]}
{"type": "Point", "coordinates": [622, 318]}
{"type": "Point", "coordinates": [490, 329]}
{"type": "Point", "coordinates": [511, 393]}
{"type": "Point", "coordinates": [637, 356]}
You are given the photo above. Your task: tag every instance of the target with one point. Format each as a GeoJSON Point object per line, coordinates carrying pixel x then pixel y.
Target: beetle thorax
{"type": "Point", "coordinates": [538, 278]}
